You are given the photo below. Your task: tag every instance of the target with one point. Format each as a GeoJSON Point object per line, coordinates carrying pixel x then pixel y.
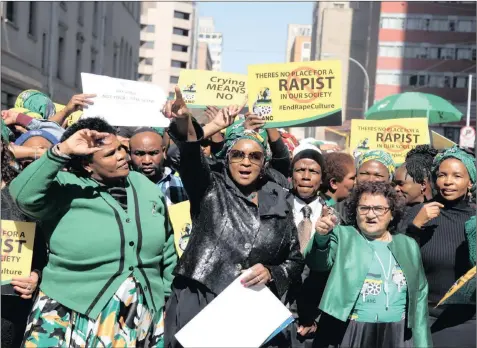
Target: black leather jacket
{"type": "Point", "coordinates": [230, 233]}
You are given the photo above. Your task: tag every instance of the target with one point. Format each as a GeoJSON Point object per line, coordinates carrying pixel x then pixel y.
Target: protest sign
{"type": "Point", "coordinates": [296, 94]}
{"type": "Point", "coordinates": [202, 87]}
{"type": "Point", "coordinates": [17, 252]}
{"type": "Point", "coordinates": [396, 136]}
{"type": "Point", "coordinates": [182, 225]}
{"type": "Point", "coordinates": [125, 102]}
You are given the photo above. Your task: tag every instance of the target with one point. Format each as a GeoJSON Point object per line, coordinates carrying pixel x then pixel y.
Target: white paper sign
{"type": "Point", "coordinates": [238, 317]}
{"type": "Point", "coordinates": [125, 102]}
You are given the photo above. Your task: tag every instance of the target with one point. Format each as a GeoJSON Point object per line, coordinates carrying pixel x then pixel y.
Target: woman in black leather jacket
{"type": "Point", "coordinates": [241, 220]}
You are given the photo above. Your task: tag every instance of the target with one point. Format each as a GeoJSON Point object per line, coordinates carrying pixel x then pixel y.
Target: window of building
{"type": "Point", "coordinates": [452, 25]}
{"type": "Point", "coordinates": [150, 28]}
{"type": "Point", "coordinates": [413, 24]}
{"type": "Point", "coordinates": [464, 53]}
{"type": "Point", "coordinates": [207, 36]}
{"type": "Point", "coordinates": [306, 45]}
{"type": "Point", "coordinates": [305, 59]}
{"type": "Point", "coordinates": [392, 23]}
{"type": "Point", "coordinates": [180, 31]}
{"type": "Point", "coordinates": [426, 24]}
{"type": "Point", "coordinates": [178, 64]}
{"type": "Point", "coordinates": [174, 79]}
{"type": "Point", "coordinates": [80, 12]}
{"type": "Point", "coordinates": [338, 5]}
{"type": "Point", "coordinates": [145, 77]}
{"type": "Point", "coordinates": [63, 5]}
{"type": "Point", "coordinates": [181, 15]}
{"type": "Point", "coordinates": [201, 36]}
{"type": "Point", "coordinates": [11, 11]}
{"type": "Point", "coordinates": [172, 95]}
{"type": "Point", "coordinates": [60, 58]}
{"type": "Point", "coordinates": [473, 54]}
{"type": "Point", "coordinates": [147, 44]}
{"type": "Point", "coordinates": [44, 54]}
{"type": "Point", "coordinates": [93, 62]}
{"type": "Point", "coordinates": [148, 61]}
{"type": "Point", "coordinates": [8, 100]}
{"type": "Point", "coordinates": [95, 18]}
{"type": "Point", "coordinates": [32, 18]}
{"type": "Point", "coordinates": [179, 48]}
{"type": "Point", "coordinates": [78, 67]}
{"type": "Point", "coordinates": [460, 82]}
{"type": "Point", "coordinates": [464, 26]}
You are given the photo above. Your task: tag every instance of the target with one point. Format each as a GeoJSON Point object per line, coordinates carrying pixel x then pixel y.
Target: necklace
{"type": "Point", "coordinates": [251, 196]}
{"type": "Point", "coordinates": [386, 276]}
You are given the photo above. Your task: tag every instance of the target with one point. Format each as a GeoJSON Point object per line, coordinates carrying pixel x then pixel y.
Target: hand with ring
{"type": "Point", "coordinates": [259, 275]}
{"type": "Point", "coordinates": [26, 286]}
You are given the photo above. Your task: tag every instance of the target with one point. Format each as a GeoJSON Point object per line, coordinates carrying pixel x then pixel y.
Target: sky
{"type": "Point", "coordinates": [264, 39]}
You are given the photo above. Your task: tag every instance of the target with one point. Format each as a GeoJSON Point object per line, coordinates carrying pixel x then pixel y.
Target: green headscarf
{"type": "Point", "coordinates": [470, 229]}
{"type": "Point", "coordinates": [380, 156]}
{"type": "Point", "coordinates": [159, 130]}
{"type": "Point", "coordinates": [36, 101]}
{"type": "Point", "coordinates": [237, 132]}
{"type": "Point", "coordinates": [7, 134]}
{"type": "Point", "coordinates": [461, 155]}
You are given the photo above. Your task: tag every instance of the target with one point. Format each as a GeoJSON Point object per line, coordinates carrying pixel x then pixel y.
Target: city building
{"type": "Point", "coordinates": [428, 47]}
{"type": "Point", "coordinates": [348, 31]}
{"type": "Point", "coordinates": [298, 43]}
{"type": "Point", "coordinates": [214, 39]}
{"type": "Point", "coordinates": [46, 45]}
{"type": "Point", "coordinates": [204, 59]}
{"type": "Point", "coordinates": [168, 42]}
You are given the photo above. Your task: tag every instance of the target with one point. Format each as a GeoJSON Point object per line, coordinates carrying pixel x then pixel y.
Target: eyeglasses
{"type": "Point", "coordinates": [378, 210]}
{"type": "Point", "coordinates": [237, 156]}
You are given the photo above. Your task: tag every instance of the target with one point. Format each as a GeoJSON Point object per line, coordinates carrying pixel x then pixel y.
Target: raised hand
{"type": "Point", "coordinates": [9, 117]}
{"type": "Point", "coordinates": [326, 222]}
{"type": "Point", "coordinates": [176, 108]}
{"type": "Point", "coordinates": [78, 102]}
{"type": "Point", "coordinates": [428, 212]}
{"type": "Point", "coordinates": [84, 142]}
{"type": "Point", "coordinates": [253, 122]}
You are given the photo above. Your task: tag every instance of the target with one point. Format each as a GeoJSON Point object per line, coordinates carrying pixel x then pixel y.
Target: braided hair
{"type": "Point", "coordinates": [419, 163]}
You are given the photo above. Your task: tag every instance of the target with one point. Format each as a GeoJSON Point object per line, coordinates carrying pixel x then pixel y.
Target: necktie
{"type": "Point", "coordinates": [305, 227]}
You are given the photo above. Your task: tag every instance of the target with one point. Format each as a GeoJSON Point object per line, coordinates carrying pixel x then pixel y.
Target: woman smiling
{"type": "Point", "coordinates": [376, 294]}
{"type": "Point", "coordinates": [448, 250]}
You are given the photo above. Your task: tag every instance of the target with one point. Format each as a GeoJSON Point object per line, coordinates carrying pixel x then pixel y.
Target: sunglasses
{"type": "Point", "coordinates": [237, 156]}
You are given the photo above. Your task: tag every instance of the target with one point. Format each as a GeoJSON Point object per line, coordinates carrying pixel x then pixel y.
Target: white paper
{"type": "Point", "coordinates": [238, 317]}
{"type": "Point", "coordinates": [125, 102]}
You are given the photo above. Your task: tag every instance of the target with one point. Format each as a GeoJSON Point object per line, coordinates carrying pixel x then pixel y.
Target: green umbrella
{"type": "Point", "coordinates": [414, 104]}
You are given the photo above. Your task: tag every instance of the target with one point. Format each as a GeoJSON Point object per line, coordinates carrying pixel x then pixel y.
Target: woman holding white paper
{"type": "Point", "coordinates": [241, 219]}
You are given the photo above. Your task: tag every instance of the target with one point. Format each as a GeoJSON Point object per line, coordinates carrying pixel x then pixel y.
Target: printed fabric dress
{"type": "Point", "coordinates": [125, 321]}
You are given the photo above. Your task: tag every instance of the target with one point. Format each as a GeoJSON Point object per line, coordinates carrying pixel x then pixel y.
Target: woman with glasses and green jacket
{"type": "Point", "coordinates": [376, 294]}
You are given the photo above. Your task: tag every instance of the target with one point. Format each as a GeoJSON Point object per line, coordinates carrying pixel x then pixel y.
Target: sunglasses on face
{"type": "Point", "coordinates": [237, 156]}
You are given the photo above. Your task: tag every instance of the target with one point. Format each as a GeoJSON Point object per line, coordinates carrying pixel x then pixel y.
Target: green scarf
{"type": "Point", "coordinates": [461, 155]}
{"type": "Point", "coordinates": [36, 101]}
{"type": "Point", "coordinates": [380, 156]}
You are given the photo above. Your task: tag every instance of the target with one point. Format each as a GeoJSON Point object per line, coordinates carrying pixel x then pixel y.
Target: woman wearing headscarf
{"type": "Point", "coordinates": [37, 102]}
{"type": "Point", "coordinates": [241, 221]}
{"type": "Point", "coordinates": [375, 165]}
{"type": "Point", "coordinates": [376, 294]}
{"type": "Point", "coordinates": [110, 241]}
{"type": "Point", "coordinates": [446, 247]}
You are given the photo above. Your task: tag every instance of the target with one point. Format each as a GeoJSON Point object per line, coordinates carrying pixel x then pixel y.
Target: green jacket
{"type": "Point", "coordinates": [347, 253]}
{"type": "Point", "coordinates": [94, 244]}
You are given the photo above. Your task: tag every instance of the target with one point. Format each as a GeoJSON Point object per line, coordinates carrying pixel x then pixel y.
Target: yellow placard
{"type": "Point", "coordinates": [296, 94]}
{"type": "Point", "coordinates": [440, 142]}
{"type": "Point", "coordinates": [202, 87]}
{"type": "Point", "coordinates": [182, 225]}
{"type": "Point", "coordinates": [396, 136]}
{"type": "Point", "coordinates": [17, 249]}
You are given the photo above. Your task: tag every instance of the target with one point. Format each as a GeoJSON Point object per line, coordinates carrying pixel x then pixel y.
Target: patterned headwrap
{"type": "Point", "coordinates": [380, 156]}
{"type": "Point", "coordinates": [461, 155]}
{"type": "Point", "coordinates": [289, 139]}
{"type": "Point", "coordinates": [237, 132]}
{"type": "Point", "coordinates": [36, 101]}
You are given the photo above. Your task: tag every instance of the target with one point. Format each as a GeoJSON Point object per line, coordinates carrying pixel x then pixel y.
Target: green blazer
{"type": "Point", "coordinates": [94, 243]}
{"type": "Point", "coordinates": [347, 253]}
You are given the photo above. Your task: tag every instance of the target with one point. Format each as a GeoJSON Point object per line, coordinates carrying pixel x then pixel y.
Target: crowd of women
{"type": "Point", "coordinates": [360, 250]}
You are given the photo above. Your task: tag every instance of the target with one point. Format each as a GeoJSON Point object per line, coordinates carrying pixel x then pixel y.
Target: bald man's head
{"type": "Point", "coordinates": [147, 154]}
